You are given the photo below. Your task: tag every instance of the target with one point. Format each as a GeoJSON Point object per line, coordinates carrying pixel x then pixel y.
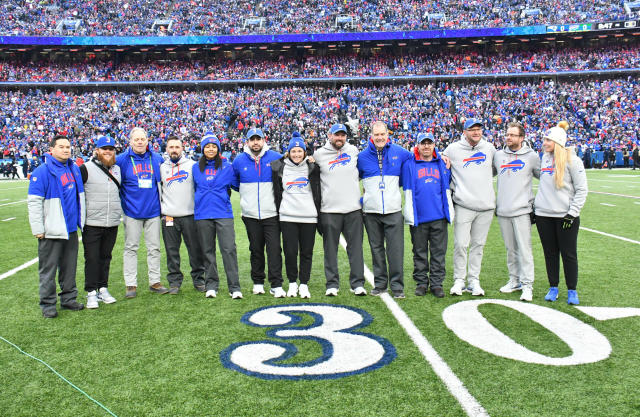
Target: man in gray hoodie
{"type": "Point", "coordinates": [177, 203]}
{"type": "Point", "coordinates": [516, 166]}
{"type": "Point", "coordinates": [474, 201]}
{"type": "Point", "coordinates": [340, 211]}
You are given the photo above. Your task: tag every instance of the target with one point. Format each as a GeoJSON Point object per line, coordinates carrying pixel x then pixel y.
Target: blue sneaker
{"type": "Point", "coordinates": [572, 297]}
{"type": "Point", "coordinates": [552, 295]}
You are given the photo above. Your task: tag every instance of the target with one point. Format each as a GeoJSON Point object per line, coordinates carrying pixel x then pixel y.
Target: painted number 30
{"type": "Point", "coordinates": [345, 351]}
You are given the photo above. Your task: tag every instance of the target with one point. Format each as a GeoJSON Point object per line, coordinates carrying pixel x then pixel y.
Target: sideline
{"type": "Point", "coordinates": [617, 195]}
{"type": "Point", "coordinates": [18, 268]}
{"type": "Point", "coordinates": [14, 202]}
{"type": "Point", "coordinates": [610, 235]}
{"type": "Point", "coordinates": [469, 404]}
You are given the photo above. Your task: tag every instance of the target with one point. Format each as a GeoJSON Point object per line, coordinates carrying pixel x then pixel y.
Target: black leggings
{"type": "Point", "coordinates": [298, 237]}
{"type": "Point", "coordinates": [557, 242]}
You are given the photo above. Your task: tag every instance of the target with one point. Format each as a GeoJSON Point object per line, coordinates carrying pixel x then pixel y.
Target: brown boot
{"type": "Point", "coordinates": [131, 292]}
{"type": "Point", "coordinates": [158, 288]}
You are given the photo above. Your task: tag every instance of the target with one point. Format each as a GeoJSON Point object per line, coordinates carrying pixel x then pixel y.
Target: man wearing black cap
{"type": "Point", "coordinates": [425, 181]}
{"type": "Point", "coordinates": [101, 178]}
{"type": "Point", "coordinates": [340, 211]}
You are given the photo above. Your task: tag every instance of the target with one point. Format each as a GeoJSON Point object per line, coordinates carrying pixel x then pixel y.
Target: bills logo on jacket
{"type": "Point", "coordinates": [180, 176]}
{"type": "Point", "coordinates": [477, 158]}
{"type": "Point", "coordinates": [513, 166]}
{"type": "Point", "coordinates": [341, 160]}
{"type": "Point", "coordinates": [547, 170]}
{"type": "Point", "coordinates": [298, 183]}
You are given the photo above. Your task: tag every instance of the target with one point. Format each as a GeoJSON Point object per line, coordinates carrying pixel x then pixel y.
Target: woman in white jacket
{"type": "Point", "coordinates": [561, 195]}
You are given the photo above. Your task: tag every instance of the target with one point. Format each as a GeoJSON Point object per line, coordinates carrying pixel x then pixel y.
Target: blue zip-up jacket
{"type": "Point", "coordinates": [140, 203]}
{"type": "Point", "coordinates": [254, 177]}
{"type": "Point", "coordinates": [382, 188]}
{"type": "Point", "coordinates": [422, 181]}
{"type": "Point", "coordinates": [50, 211]}
{"type": "Point", "coordinates": [212, 189]}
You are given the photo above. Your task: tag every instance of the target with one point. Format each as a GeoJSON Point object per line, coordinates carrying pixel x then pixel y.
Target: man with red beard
{"type": "Point", "coordinates": [101, 178]}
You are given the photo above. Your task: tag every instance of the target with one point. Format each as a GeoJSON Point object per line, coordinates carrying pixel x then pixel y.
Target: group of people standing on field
{"type": "Point", "coordinates": [286, 198]}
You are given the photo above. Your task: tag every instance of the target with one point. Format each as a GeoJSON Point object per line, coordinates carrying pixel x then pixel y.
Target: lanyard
{"type": "Point", "coordinates": [135, 172]}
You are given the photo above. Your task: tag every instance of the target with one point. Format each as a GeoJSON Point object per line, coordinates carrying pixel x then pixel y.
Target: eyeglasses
{"type": "Point", "coordinates": [511, 135]}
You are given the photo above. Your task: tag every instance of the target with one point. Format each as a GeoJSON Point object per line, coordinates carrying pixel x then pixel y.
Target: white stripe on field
{"type": "Point", "coordinates": [619, 182]}
{"type": "Point", "coordinates": [610, 235]}
{"type": "Point", "coordinates": [455, 386]}
{"type": "Point", "coordinates": [15, 202]}
{"type": "Point", "coordinates": [10, 218]}
{"type": "Point", "coordinates": [617, 195]}
{"type": "Point", "coordinates": [636, 202]}
{"type": "Point", "coordinates": [605, 186]}
{"type": "Point", "coordinates": [607, 204]}
{"type": "Point", "coordinates": [13, 188]}
{"type": "Point", "coordinates": [18, 268]}
{"type": "Point", "coordinates": [5, 199]}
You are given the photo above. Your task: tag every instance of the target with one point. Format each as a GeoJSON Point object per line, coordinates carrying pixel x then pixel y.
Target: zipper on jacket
{"type": "Point", "coordinates": [257, 163]}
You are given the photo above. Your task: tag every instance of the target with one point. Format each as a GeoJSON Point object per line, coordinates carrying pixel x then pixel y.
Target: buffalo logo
{"type": "Point", "coordinates": [298, 183]}
{"type": "Point", "coordinates": [477, 158]}
{"type": "Point", "coordinates": [341, 160]}
{"type": "Point", "coordinates": [547, 170]}
{"type": "Point", "coordinates": [180, 176]}
{"type": "Point", "coordinates": [513, 166]}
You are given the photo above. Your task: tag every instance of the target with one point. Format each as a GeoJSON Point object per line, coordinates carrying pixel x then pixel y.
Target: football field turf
{"type": "Point", "coordinates": [184, 355]}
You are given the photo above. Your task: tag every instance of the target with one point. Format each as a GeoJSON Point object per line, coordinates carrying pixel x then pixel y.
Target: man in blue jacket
{"type": "Point", "coordinates": [259, 214]}
{"type": "Point", "coordinates": [425, 180]}
{"type": "Point", "coordinates": [380, 168]}
{"type": "Point", "coordinates": [56, 211]}
{"type": "Point", "coordinates": [140, 170]}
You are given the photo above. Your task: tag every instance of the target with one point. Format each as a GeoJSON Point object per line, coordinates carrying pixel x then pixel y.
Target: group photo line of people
{"type": "Point", "coordinates": [284, 199]}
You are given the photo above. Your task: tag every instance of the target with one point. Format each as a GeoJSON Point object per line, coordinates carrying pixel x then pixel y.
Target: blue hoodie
{"type": "Point", "coordinates": [212, 189]}
{"type": "Point", "coordinates": [140, 203]}
{"type": "Point", "coordinates": [422, 181]}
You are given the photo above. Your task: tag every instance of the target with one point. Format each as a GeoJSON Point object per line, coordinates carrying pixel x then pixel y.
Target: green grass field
{"type": "Point", "coordinates": [159, 355]}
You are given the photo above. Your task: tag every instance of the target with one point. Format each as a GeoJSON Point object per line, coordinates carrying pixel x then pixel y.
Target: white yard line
{"type": "Point", "coordinates": [610, 235]}
{"type": "Point", "coordinates": [607, 204]}
{"type": "Point", "coordinates": [619, 182]}
{"type": "Point", "coordinates": [18, 268]}
{"type": "Point", "coordinates": [14, 202]}
{"type": "Point", "coordinates": [10, 218]}
{"type": "Point", "coordinates": [14, 188]}
{"type": "Point", "coordinates": [606, 186]}
{"type": "Point", "coordinates": [617, 195]}
{"type": "Point", "coordinates": [455, 386]}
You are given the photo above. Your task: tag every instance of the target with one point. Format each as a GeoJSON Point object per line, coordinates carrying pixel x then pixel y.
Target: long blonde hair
{"type": "Point", "coordinates": [561, 157]}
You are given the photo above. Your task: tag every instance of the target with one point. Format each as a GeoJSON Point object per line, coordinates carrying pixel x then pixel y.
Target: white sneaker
{"type": "Point", "coordinates": [331, 292]}
{"type": "Point", "coordinates": [258, 289]}
{"type": "Point", "coordinates": [527, 294]}
{"type": "Point", "coordinates": [458, 286]}
{"type": "Point", "coordinates": [277, 292]}
{"type": "Point", "coordinates": [359, 291]}
{"type": "Point", "coordinates": [211, 294]}
{"type": "Point", "coordinates": [236, 295]}
{"type": "Point", "coordinates": [293, 289]}
{"type": "Point", "coordinates": [92, 299]}
{"type": "Point", "coordinates": [304, 291]}
{"type": "Point", "coordinates": [511, 286]}
{"type": "Point", "coordinates": [105, 297]}
{"type": "Point", "coordinates": [474, 288]}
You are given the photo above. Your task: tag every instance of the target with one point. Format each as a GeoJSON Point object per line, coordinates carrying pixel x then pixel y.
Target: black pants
{"type": "Point", "coordinates": [302, 237]}
{"type": "Point", "coordinates": [429, 241]}
{"type": "Point", "coordinates": [98, 244]}
{"type": "Point", "coordinates": [557, 242]}
{"type": "Point", "coordinates": [57, 256]}
{"type": "Point", "coordinates": [389, 229]}
{"type": "Point", "coordinates": [260, 233]}
{"type": "Point", "coordinates": [183, 227]}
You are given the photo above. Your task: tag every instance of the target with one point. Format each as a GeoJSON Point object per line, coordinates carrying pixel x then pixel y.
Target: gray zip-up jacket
{"type": "Point", "coordinates": [297, 204]}
{"type": "Point", "coordinates": [339, 178]}
{"type": "Point", "coordinates": [177, 197]}
{"type": "Point", "coordinates": [515, 176]}
{"type": "Point", "coordinates": [102, 196]}
{"type": "Point", "coordinates": [553, 202]}
{"type": "Point", "coordinates": [472, 174]}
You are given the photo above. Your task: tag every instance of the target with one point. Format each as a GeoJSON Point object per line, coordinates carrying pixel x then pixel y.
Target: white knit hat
{"type": "Point", "coordinates": [557, 134]}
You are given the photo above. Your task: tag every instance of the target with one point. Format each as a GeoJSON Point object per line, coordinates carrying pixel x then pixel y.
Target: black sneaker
{"type": "Point", "coordinates": [437, 292]}
{"type": "Point", "coordinates": [50, 314]}
{"type": "Point", "coordinates": [73, 306]}
{"type": "Point", "coordinates": [377, 291]}
{"type": "Point", "coordinates": [398, 294]}
{"type": "Point", "coordinates": [421, 290]}
{"type": "Point", "coordinates": [200, 288]}
{"type": "Point", "coordinates": [174, 290]}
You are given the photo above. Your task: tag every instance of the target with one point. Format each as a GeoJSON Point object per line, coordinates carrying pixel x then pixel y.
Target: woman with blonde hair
{"type": "Point", "coordinates": [561, 195]}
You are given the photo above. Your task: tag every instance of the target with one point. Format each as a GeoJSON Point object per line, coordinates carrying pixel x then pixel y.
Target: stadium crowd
{"type": "Point", "coordinates": [206, 17]}
{"type": "Point", "coordinates": [552, 60]}
{"type": "Point", "coordinates": [599, 111]}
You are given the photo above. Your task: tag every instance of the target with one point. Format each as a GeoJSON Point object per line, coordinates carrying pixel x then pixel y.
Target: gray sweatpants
{"type": "Point", "coordinates": [61, 256]}
{"type": "Point", "coordinates": [349, 224]}
{"type": "Point", "coordinates": [516, 233]}
{"type": "Point", "coordinates": [183, 227]}
{"type": "Point", "coordinates": [470, 229]}
{"type": "Point", "coordinates": [389, 228]}
{"type": "Point", "coordinates": [132, 230]}
{"type": "Point", "coordinates": [208, 229]}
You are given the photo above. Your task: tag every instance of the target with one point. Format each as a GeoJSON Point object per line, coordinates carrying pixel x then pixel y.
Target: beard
{"type": "Point", "coordinates": [105, 160]}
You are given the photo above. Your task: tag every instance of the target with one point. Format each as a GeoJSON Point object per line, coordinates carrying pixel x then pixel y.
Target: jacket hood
{"type": "Point", "coordinates": [464, 143]}
{"type": "Point", "coordinates": [247, 150]}
{"type": "Point", "coordinates": [416, 154]}
{"type": "Point", "coordinates": [523, 150]}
